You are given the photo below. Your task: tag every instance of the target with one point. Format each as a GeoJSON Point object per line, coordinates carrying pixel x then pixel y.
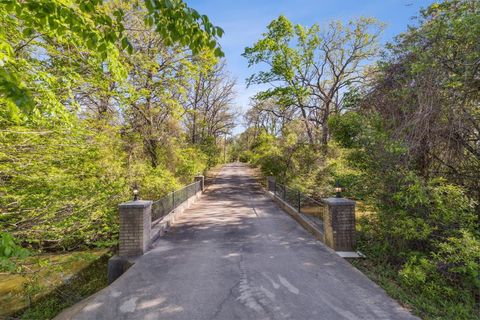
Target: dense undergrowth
{"type": "Point", "coordinates": [61, 186]}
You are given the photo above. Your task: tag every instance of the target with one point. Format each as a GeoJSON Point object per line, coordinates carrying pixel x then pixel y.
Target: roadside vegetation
{"type": "Point", "coordinates": [401, 135]}
{"type": "Point", "coordinates": [95, 98]}
{"type": "Point", "coordinates": [51, 282]}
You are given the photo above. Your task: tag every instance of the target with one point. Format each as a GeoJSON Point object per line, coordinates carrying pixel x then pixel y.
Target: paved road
{"type": "Point", "coordinates": [235, 255]}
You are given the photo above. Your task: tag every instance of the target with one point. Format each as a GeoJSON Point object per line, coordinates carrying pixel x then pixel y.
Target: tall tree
{"type": "Point", "coordinates": [310, 68]}
{"type": "Point", "coordinates": [267, 115]}
{"type": "Point", "coordinates": [209, 111]}
{"type": "Point", "coordinates": [91, 96]}
{"type": "Point", "coordinates": [158, 76]}
{"type": "Point", "coordinates": [427, 90]}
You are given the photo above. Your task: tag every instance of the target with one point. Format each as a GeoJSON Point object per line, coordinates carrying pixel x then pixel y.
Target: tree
{"type": "Point", "coordinates": [158, 75]}
{"type": "Point", "coordinates": [413, 137]}
{"type": "Point", "coordinates": [427, 93]}
{"type": "Point", "coordinates": [209, 110]}
{"type": "Point", "coordinates": [267, 115]}
{"type": "Point", "coordinates": [86, 25]}
{"type": "Point", "coordinates": [310, 68]}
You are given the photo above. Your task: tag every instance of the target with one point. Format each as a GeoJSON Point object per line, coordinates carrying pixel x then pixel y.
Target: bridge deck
{"type": "Point", "coordinates": [235, 255]}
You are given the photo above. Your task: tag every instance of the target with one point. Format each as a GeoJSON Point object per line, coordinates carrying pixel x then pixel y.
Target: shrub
{"type": "Point", "coordinates": [9, 250]}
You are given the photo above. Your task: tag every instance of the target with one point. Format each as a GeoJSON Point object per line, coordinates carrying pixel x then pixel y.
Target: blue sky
{"type": "Point", "coordinates": [244, 21]}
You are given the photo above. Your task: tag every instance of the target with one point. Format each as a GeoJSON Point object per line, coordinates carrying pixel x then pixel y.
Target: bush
{"type": "Point", "coordinates": [190, 162]}
{"type": "Point", "coordinates": [10, 250]}
{"type": "Point", "coordinates": [457, 260]}
{"type": "Point", "coordinates": [423, 227]}
{"type": "Point", "coordinates": [246, 156]}
{"type": "Point", "coordinates": [211, 150]}
{"type": "Point", "coordinates": [60, 186]}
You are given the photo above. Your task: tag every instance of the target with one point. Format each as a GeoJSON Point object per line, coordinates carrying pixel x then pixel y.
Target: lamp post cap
{"type": "Point", "coordinates": [338, 201]}
{"type": "Point", "coordinates": [136, 204]}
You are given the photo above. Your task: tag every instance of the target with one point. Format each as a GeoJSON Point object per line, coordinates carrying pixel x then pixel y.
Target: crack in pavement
{"type": "Point", "coordinates": [220, 305]}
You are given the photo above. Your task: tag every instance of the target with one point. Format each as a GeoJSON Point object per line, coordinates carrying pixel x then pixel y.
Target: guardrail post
{"type": "Point", "coordinates": [201, 178]}
{"type": "Point", "coordinates": [135, 227]}
{"type": "Point", "coordinates": [299, 200]}
{"type": "Point", "coordinates": [339, 223]}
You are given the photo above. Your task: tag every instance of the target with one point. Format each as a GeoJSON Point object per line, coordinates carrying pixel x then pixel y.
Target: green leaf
{"type": "Point", "coordinates": [220, 31]}
{"type": "Point", "coordinates": [219, 53]}
{"type": "Point", "coordinates": [28, 32]}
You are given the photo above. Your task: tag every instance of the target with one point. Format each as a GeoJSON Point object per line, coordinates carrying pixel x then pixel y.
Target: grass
{"type": "Point", "coordinates": [427, 305]}
{"type": "Point", "coordinates": [42, 298]}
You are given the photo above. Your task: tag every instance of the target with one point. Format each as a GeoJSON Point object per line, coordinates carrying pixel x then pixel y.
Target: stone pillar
{"type": "Point", "coordinates": [339, 224]}
{"type": "Point", "coordinates": [201, 178]}
{"type": "Point", "coordinates": [271, 184]}
{"type": "Point", "coordinates": [135, 226]}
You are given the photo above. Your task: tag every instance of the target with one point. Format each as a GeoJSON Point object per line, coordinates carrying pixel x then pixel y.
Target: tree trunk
{"type": "Point", "coordinates": [325, 129]}
{"type": "Point", "coordinates": [307, 126]}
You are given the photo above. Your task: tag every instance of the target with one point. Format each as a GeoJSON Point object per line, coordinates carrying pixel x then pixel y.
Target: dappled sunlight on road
{"type": "Point", "coordinates": [235, 255]}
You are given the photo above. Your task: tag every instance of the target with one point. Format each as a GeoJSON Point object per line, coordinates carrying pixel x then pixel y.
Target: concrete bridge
{"type": "Point", "coordinates": [235, 254]}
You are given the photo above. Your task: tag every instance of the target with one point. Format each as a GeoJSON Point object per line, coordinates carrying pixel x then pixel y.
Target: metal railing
{"type": "Point", "coordinates": [171, 201]}
{"type": "Point", "coordinates": [302, 202]}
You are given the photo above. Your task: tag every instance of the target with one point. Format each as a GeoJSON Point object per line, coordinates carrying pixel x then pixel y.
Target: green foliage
{"type": "Point", "coordinates": [457, 258]}
{"type": "Point", "coordinates": [308, 67]}
{"type": "Point", "coordinates": [90, 26]}
{"type": "Point", "coordinates": [154, 182]}
{"type": "Point", "coordinates": [9, 252]}
{"type": "Point", "coordinates": [60, 185]}
{"type": "Point", "coordinates": [432, 303]}
{"type": "Point", "coordinates": [265, 152]}
{"type": "Point", "coordinates": [192, 162]}
{"type": "Point", "coordinates": [346, 128]}
{"type": "Point", "coordinates": [75, 136]}
{"type": "Point", "coordinates": [8, 247]}
{"type": "Point", "coordinates": [211, 150]}
{"type": "Point", "coordinates": [424, 227]}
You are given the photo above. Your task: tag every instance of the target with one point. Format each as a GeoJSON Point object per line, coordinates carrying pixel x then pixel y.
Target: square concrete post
{"type": "Point", "coordinates": [339, 224]}
{"type": "Point", "coordinates": [201, 178]}
{"type": "Point", "coordinates": [271, 183]}
{"type": "Point", "coordinates": [135, 227]}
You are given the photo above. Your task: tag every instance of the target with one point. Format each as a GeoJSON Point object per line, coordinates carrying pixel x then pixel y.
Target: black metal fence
{"type": "Point", "coordinates": [167, 204]}
{"type": "Point", "coordinates": [296, 199]}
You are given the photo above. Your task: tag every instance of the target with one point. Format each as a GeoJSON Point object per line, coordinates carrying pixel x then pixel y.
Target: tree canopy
{"type": "Point", "coordinates": [311, 67]}
{"type": "Point", "coordinates": [92, 25]}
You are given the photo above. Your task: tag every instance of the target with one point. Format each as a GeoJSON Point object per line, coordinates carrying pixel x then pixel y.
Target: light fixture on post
{"type": "Point", "coordinates": [135, 192]}
{"type": "Point", "coordinates": [338, 190]}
